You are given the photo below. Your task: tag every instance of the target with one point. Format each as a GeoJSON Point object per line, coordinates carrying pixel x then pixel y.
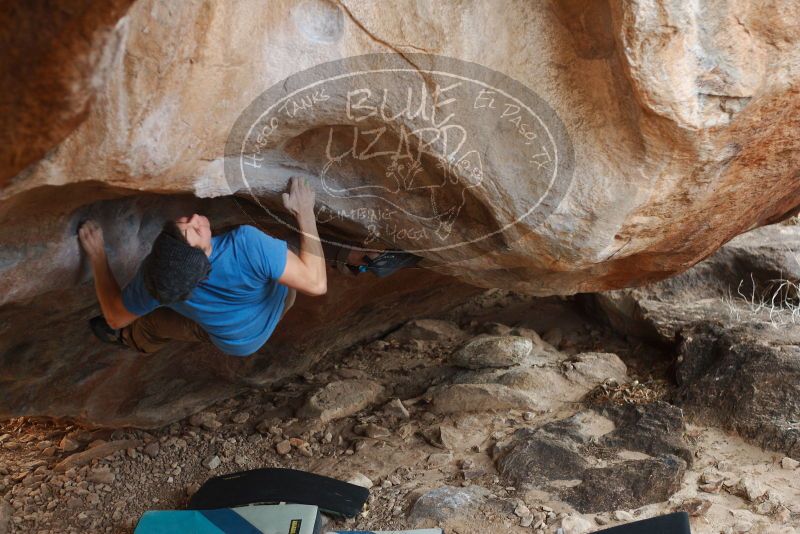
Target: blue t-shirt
{"type": "Point", "coordinates": [241, 301]}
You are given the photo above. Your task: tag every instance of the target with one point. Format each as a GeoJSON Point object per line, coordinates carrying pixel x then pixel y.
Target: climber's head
{"type": "Point", "coordinates": [196, 231]}
{"type": "Point", "coordinates": [178, 260]}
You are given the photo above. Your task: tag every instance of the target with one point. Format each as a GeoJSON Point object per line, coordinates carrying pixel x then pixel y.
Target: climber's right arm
{"type": "Point", "coordinates": [108, 292]}
{"type": "Point", "coordinates": [305, 271]}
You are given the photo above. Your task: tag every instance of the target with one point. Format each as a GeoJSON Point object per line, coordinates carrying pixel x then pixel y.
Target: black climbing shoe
{"type": "Point", "coordinates": [387, 263]}
{"type": "Point", "coordinates": [105, 333]}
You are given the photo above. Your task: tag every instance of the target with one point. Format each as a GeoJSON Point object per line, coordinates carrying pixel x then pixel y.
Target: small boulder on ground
{"type": "Point", "coordinates": [206, 420]}
{"type": "Point", "coordinates": [443, 503]}
{"type": "Point", "coordinates": [212, 462]}
{"type": "Point", "coordinates": [575, 524]}
{"type": "Point", "coordinates": [69, 444]}
{"type": "Point", "coordinates": [341, 399]}
{"type": "Point", "coordinates": [457, 398]}
{"type": "Point", "coordinates": [283, 447]}
{"type": "Point", "coordinates": [750, 488]}
{"type": "Point", "coordinates": [492, 351]}
{"type": "Point", "coordinates": [789, 463]}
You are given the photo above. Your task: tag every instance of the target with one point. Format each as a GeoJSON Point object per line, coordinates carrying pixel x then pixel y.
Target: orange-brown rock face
{"type": "Point", "coordinates": [550, 147]}
{"type": "Point", "coordinates": [54, 62]}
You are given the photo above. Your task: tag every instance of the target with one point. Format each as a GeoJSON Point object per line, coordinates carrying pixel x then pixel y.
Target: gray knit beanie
{"type": "Point", "coordinates": [173, 268]}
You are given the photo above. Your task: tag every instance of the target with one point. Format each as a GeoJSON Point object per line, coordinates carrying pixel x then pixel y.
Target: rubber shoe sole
{"type": "Point", "coordinates": [104, 332]}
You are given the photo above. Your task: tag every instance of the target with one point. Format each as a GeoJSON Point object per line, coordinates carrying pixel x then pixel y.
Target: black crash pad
{"type": "Point", "coordinates": [272, 486]}
{"type": "Point", "coordinates": [677, 523]}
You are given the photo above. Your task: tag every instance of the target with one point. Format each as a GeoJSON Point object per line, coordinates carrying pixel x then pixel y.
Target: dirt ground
{"type": "Point", "coordinates": [60, 477]}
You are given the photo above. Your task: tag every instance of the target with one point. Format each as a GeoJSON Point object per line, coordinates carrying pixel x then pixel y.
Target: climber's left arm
{"type": "Point", "coordinates": [108, 292]}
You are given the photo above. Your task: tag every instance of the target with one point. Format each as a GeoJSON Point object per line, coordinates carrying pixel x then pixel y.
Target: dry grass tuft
{"type": "Point", "coordinates": [633, 392]}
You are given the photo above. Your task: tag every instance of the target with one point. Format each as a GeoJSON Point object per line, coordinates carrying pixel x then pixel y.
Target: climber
{"type": "Point", "coordinates": [230, 290]}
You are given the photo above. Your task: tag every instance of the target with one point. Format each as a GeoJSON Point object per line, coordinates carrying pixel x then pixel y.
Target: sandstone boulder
{"type": "Point", "coordinates": [492, 351]}
{"type": "Point", "coordinates": [733, 322]}
{"type": "Point", "coordinates": [672, 135]}
{"type": "Point", "coordinates": [457, 398]}
{"type": "Point", "coordinates": [735, 285]}
{"type": "Point", "coordinates": [735, 379]}
{"type": "Point", "coordinates": [54, 366]}
{"type": "Point", "coordinates": [633, 153]}
{"type": "Point", "coordinates": [545, 381]}
{"type": "Point", "coordinates": [341, 399]}
{"type": "Point", "coordinates": [440, 504]}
